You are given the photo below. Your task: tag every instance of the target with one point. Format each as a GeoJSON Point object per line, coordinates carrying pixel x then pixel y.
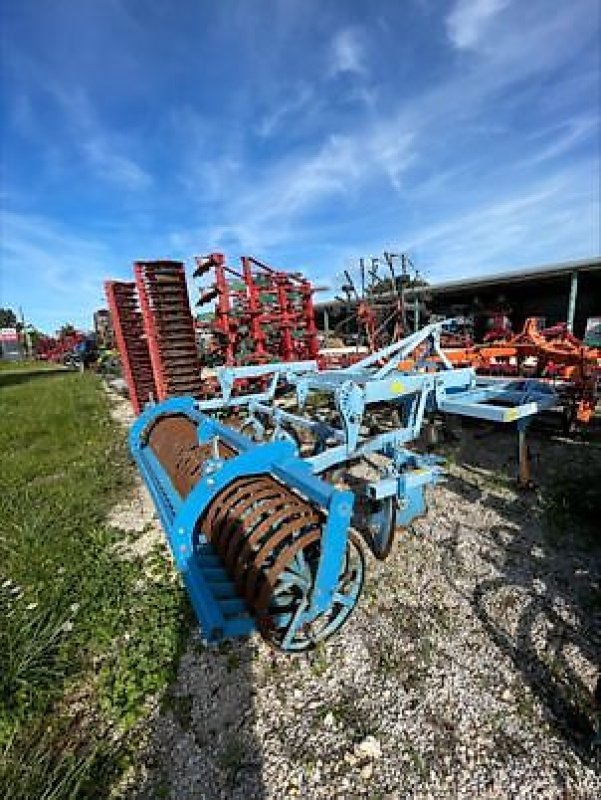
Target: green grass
{"type": "Point", "coordinates": [80, 632]}
{"type": "Point", "coordinates": [31, 364]}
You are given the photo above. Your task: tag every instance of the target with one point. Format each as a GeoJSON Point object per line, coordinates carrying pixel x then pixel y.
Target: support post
{"type": "Point", "coordinates": [524, 472]}
{"type": "Point", "coordinates": [326, 326]}
{"type": "Point", "coordinates": [415, 311]}
{"type": "Point", "coordinates": [572, 300]}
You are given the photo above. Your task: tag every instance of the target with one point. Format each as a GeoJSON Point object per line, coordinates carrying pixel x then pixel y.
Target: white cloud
{"type": "Point", "coordinates": [113, 166]}
{"type": "Point", "coordinates": [61, 265]}
{"type": "Point", "coordinates": [265, 210]}
{"type": "Point", "coordinates": [550, 219]}
{"type": "Point", "coordinates": [298, 100]}
{"type": "Point", "coordinates": [567, 136]}
{"type": "Point", "coordinates": [347, 53]}
{"type": "Point", "coordinates": [104, 151]}
{"type": "Point", "coordinates": [367, 158]}
{"type": "Point", "coordinates": [557, 215]}
{"type": "Point", "coordinates": [469, 19]}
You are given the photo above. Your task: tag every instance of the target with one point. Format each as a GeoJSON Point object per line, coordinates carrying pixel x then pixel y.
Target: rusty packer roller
{"type": "Point", "coordinates": [260, 541]}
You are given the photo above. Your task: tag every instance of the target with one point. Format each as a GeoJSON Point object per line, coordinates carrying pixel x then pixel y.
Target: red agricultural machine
{"type": "Point", "coordinates": [154, 332]}
{"type": "Point", "coordinates": [59, 349]}
{"type": "Point", "coordinates": [261, 315]}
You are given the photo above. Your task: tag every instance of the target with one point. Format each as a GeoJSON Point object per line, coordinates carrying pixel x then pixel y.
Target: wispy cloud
{"type": "Point", "coordinates": [265, 211]}
{"type": "Point", "coordinates": [63, 265]}
{"type": "Point", "coordinates": [549, 219]}
{"type": "Point", "coordinates": [469, 19]}
{"type": "Point", "coordinates": [114, 167]}
{"type": "Point", "coordinates": [347, 53]}
{"type": "Point", "coordinates": [566, 136]}
{"type": "Point", "coordinates": [106, 152]}
{"type": "Point", "coordinates": [350, 168]}
{"type": "Point", "coordinates": [563, 209]}
{"type": "Point", "coordinates": [103, 150]}
{"type": "Point", "coordinates": [473, 148]}
{"type": "Point", "coordinates": [286, 108]}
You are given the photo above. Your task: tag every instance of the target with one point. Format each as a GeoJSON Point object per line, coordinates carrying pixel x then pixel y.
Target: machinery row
{"type": "Point", "coordinates": [550, 353]}
{"type": "Point", "coordinates": [275, 470]}
{"type": "Point", "coordinates": [264, 315]}
{"type": "Point", "coordinates": [260, 315]}
{"type": "Point", "coordinates": [269, 499]}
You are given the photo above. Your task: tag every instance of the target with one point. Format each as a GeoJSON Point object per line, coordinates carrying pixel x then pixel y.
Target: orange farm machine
{"type": "Point", "coordinates": [553, 354]}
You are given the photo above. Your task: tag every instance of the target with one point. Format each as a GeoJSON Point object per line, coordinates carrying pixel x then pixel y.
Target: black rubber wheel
{"type": "Point", "coordinates": [382, 525]}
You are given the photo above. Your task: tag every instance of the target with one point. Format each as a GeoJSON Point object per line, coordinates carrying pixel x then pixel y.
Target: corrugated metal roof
{"type": "Point", "coordinates": [515, 276]}
{"type": "Point", "coordinates": [524, 274]}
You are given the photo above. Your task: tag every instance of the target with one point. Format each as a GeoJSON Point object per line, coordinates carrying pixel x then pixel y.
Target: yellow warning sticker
{"type": "Point", "coordinates": [397, 387]}
{"type": "Point", "coordinates": [510, 415]}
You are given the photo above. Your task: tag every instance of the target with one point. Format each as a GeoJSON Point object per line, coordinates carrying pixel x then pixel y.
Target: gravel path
{"type": "Point", "coordinates": [466, 670]}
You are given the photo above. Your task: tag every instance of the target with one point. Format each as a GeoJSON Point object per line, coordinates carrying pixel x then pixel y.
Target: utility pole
{"type": "Point", "coordinates": [26, 335]}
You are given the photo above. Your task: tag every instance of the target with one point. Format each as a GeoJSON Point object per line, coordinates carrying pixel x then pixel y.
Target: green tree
{"type": "Point", "coordinates": [34, 335]}
{"type": "Point", "coordinates": [66, 330]}
{"type": "Point", "coordinates": [8, 318]}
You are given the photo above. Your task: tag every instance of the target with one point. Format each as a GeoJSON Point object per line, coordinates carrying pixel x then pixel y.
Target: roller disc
{"type": "Point", "coordinates": [290, 590]}
{"type": "Point", "coordinates": [174, 441]}
{"type": "Point", "coordinates": [269, 540]}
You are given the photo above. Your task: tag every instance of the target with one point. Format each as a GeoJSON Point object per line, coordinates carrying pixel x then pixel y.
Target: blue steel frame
{"type": "Point", "coordinates": [180, 518]}
{"type": "Point", "coordinates": [227, 376]}
{"type": "Point", "coordinates": [378, 379]}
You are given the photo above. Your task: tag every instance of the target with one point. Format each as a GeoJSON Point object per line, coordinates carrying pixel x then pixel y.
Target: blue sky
{"type": "Point", "coordinates": [307, 133]}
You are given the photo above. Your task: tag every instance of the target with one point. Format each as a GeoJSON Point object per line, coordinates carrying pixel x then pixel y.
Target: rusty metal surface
{"type": "Point", "coordinates": [237, 545]}
{"type": "Point", "coordinates": [260, 569]}
{"type": "Point", "coordinates": [257, 526]}
{"type": "Point", "coordinates": [131, 342]}
{"type": "Point", "coordinates": [284, 559]}
{"type": "Point", "coordinates": [174, 441]}
{"type": "Point", "coordinates": [169, 327]}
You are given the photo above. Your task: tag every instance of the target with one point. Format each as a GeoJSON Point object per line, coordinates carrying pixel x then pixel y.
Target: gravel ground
{"type": "Point", "coordinates": [465, 671]}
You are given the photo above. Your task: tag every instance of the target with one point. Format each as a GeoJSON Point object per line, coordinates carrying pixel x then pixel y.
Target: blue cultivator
{"type": "Point", "coordinates": [264, 527]}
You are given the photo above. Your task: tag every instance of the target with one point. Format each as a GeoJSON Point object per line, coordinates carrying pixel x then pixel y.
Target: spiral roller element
{"type": "Point", "coordinates": [260, 539]}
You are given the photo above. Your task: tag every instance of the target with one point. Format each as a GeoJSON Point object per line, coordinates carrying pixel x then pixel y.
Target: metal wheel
{"type": "Point", "coordinates": [381, 524]}
{"type": "Point", "coordinates": [291, 593]}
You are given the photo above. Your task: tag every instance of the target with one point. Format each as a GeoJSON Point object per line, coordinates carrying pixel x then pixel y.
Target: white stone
{"type": "Point", "coordinates": [369, 748]}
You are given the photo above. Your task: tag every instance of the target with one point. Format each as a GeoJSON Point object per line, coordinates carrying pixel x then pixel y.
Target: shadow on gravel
{"type": "Point", "coordinates": [544, 603]}
{"type": "Point", "coordinates": [203, 742]}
